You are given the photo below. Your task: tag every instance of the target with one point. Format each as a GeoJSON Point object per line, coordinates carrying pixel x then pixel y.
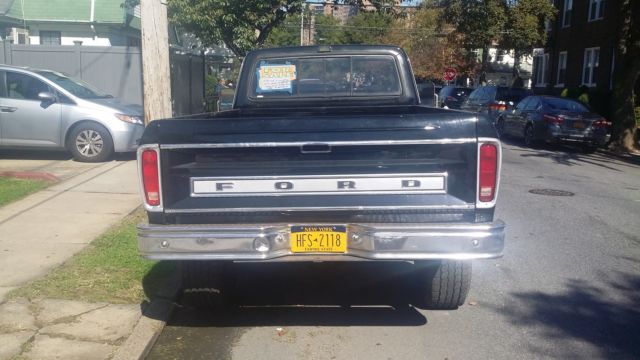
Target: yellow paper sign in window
{"type": "Point", "coordinates": [276, 77]}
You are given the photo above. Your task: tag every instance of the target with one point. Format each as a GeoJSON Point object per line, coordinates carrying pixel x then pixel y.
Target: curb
{"type": "Point", "coordinates": [144, 335]}
{"type": "Point", "coordinates": [30, 175]}
{"type": "Point", "coordinates": [153, 320]}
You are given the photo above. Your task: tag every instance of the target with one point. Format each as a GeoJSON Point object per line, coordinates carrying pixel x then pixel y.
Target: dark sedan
{"type": "Point", "coordinates": [554, 120]}
{"type": "Point", "coordinates": [452, 97]}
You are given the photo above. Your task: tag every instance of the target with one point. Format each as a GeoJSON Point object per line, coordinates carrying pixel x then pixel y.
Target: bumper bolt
{"type": "Point", "coordinates": [279, 238]}
{"type": "Point", "coordinates": [356, 239]}
{"type": "Point", "coordinates": [164, 244]}
{"type": "Point", "coordinates": [261, 244]}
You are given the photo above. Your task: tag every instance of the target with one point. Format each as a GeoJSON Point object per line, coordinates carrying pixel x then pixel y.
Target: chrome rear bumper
{"type": "Point", "coordinates": [366, 241]}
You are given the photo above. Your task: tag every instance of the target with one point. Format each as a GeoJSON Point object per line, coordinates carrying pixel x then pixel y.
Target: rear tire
{"type": "Point", "coordinates": [444, 284]}
{"type": "Point", "coordinates": [205, 284]}
{"type": "Point", "coordinates": [529, 138]}
{"type": "Point", "coordinates": [90, 142]}
{"type": "Point", "coordinates": [500, 127]}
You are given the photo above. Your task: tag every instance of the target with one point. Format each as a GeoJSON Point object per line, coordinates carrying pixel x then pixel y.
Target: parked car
{"type": "Point", "coordinates": [452, 97]}
{"type": "Point", "coordinates": [44, 109]}
{"type": "Point", "coordinates": [554, 119]}
{"type": "Point", "coordinates": [427, 91]}
{"type": "Point", "coordinates": [494, 100]}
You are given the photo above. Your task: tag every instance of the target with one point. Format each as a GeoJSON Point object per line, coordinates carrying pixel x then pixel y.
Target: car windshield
{"type": "Point", "coordinates": [512, 95]}
{"type": "Point", "coordinates": [565, 105]}
{"type": "Point", "coordinates": [326, 77]}
{"type": "Point", "coordinates": [461, 93]}
{"type": "Point", "coordinates": [76, 87]}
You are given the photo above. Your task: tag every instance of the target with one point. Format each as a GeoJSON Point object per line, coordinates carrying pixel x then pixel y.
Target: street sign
{"type": "Point", "coordinates": [449, 74]}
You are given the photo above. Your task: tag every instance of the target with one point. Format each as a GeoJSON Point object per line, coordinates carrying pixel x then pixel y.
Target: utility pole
{"type": "Point", "coordinates": [155, 60]}
{"type": "Point", "coordinates": [302, 27]}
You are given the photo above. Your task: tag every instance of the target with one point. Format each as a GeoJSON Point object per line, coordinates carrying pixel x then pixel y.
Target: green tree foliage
{"type": "Point", "coordinates": [430, 49]}
{"type": "Point", "coordinates": [479, 22]}
{"type": "Point", "coordinates": [329, 31]}
{"type": "Point", "coordinates": [368, 27]}
{"type": "Point", "coordinates": [287, 33]}
{"type": "Point", "coordinates": [240, 25]}
{"type": "Point", "coordinates": [626, 75]}
{"type": "Point", "coordinates": [525, 26]}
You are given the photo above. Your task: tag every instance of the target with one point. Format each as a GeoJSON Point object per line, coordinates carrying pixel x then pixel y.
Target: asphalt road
{"type": "Point", "coordinates": [568, 286]}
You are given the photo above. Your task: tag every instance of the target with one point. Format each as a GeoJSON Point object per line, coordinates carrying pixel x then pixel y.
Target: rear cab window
{"type": "Point", "coordinates": [346, 76]}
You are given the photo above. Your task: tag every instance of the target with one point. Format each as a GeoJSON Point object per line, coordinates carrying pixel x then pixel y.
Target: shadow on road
{"type": "Point", "coordinates": [30, 154]}
{"type": "Point", "coordinates": [573, 155]}
{"type": "Point", "coordinates": [313, 294]}
{"type": "Point", "coordinates": [34, 154]}
{"type": "Point", "coordinates": [607, 318]}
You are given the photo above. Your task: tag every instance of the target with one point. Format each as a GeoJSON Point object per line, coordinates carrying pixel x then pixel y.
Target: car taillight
{"type": "Point", "coordinates": [488, 172]}
{"type": "Point", "coordinates": [498, 107]}
{"type": "Point", "coordinates": [150, 177]}
{"type": "Point", "coordinates": [601, 123]}
{"type": "Point", "coordinates": [451, 98]}
{"type": "Point", "coordinates": [550, 119]}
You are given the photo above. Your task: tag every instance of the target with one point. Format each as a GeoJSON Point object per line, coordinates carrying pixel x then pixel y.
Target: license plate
{"type": "Point", "coordinates": [315, 239]}
{"type": "Point", "coordinates": [578, 125]}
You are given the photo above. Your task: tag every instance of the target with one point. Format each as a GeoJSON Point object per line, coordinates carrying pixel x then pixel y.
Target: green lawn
{"type": "Point", "coordinates": [12, 189]}
{"type": "Point", "coordinates": [109, 270]}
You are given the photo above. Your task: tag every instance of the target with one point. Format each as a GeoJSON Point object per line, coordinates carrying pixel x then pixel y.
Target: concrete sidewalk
{"type": "Point", "coordinates": [41, 232]}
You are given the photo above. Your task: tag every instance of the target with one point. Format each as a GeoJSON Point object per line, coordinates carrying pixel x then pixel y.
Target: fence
{"type": "Point", "coordinates": [116, 70]}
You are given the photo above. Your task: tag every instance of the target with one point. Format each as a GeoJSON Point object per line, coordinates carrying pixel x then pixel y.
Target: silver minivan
{"type": "Point", "coordinates": [44, 109]}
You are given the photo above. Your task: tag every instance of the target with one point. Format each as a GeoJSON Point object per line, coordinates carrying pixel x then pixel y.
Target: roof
{"type": "Point", "coordinates": [67, 11]}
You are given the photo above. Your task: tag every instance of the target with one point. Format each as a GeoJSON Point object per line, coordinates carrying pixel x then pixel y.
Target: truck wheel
{"type": "Point", "coordinates": [90, 142]}
{"type": "Point", "coordinates": [444, 283]}
{"type": "Point", "coordinates": [205, 284]}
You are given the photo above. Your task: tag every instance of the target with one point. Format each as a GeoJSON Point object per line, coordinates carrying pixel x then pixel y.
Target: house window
{"type": "Point", "coordinates": [596, 10]}
{"type": "Point", "coordinates": [50, 38]}
{"type": "Point", "coordinates": [590, 66]}
{"type": "Point", "coordinates": [566, 13]}
{"type": "Point", "coordinates": [541, 64]}
{"type": "Point", "coordinates": [562, 68]}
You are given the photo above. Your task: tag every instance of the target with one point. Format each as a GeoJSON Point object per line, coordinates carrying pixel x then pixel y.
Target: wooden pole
{"type": "Point", "coordinates": [155, 60]}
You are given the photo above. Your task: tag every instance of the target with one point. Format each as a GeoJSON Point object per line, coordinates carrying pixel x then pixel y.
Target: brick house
{"type": "Point", "coordinates": [581, 50]}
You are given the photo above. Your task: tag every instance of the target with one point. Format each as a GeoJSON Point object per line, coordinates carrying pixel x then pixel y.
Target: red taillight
{"type": "Point", "coordinates": [498, 107]}
{"type": "Point", "coordinates": [150, 178]}
{"type": "Point", "coordinates": [556, 120]}
{"type": "Point", "coordinates": [601, 123]}
{"type": "Point", "coordinates": [488, 172]}
{"type": "Point", "coordinates": [451, 98]}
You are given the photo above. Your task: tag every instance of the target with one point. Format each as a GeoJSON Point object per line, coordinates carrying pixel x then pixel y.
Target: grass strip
{"type": "Point", "coordinates": [108, 270]}
{"type": "Point", "coordinates": [12, 189]}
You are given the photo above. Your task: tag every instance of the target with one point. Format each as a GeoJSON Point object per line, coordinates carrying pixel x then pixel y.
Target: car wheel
{"type": "Point", "coordinates": [500, 127]}
{"type": "Point", "coordinates": [529, 139]}
{"type": "Point", "coordinates": [205, 284]}
{"type": "Point", "coordinates": [589, 148]}
{"type": "Point", "coordinates": [90, 142]}
{"type": "Point", "coordinates": [444, 284]}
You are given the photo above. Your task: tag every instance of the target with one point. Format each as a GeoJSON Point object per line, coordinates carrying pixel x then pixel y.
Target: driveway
{"type": "Point", "coordinates": [57, 163]}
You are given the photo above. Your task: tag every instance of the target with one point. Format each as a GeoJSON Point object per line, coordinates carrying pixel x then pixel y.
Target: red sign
{"type": "Point", "coordinates": [450, 74]}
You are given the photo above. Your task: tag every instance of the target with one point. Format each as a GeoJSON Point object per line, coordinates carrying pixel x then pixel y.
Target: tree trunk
{"type": "Point", "coordinates": [625, 77]}
{"type": "Point", "coordinates": [485, 57]}
{"type": "Point", "coordinates": [623, 114]}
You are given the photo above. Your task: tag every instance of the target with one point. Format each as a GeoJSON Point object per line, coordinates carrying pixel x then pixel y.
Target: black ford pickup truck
{"type": "Point", "coordinates": [327, 155]}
